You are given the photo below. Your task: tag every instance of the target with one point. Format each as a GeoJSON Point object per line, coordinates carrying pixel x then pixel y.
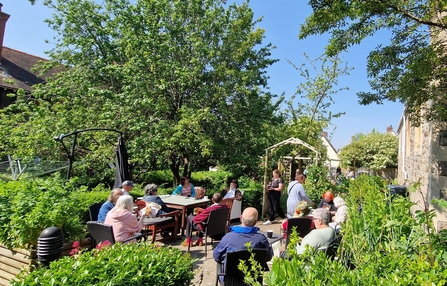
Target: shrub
{"type": "Point", "coordinates": [383, 242]}
{"type": "Point", "coordinates": [129, 264]}
{"type": "Point", "coordinates": [28, 207]}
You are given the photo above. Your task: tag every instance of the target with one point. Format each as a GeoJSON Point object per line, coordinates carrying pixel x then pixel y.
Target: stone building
{"type": "Point", "coordinates": [423, 158]}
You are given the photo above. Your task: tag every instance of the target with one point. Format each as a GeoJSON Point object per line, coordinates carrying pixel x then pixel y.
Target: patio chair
{"type": "Point", "coordinates": [93, 211]}
{"type": "Point", "coordinates": [301, 225]}
{"type": "Point", "coordinates": [331, 250]}
{"type": "Point", "coordinates": [229, 203]}
{"type": "Point", "coordinates": [230, 273]}
{"type": "Point", "coordinates": [215, 225]}
{"type": "Point", "coordinates": [100, 232]}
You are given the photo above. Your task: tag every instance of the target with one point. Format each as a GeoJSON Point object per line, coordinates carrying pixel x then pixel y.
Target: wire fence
{"type": "Point", "coordinates": [15, 168]}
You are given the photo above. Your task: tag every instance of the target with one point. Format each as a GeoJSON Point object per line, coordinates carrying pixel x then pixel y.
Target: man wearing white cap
{"type": "Point", "coordinates": [127, 186]}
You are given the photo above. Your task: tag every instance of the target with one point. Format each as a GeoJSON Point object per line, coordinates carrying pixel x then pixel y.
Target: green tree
{"type": "Point", "coordinates": [374, 151]}
{"type": "Point", "coordinates": [183, 80]}
{"type": "Point", "coordinates": [411, 68]}
{"type": "Point", "coordinates": [308, 112]}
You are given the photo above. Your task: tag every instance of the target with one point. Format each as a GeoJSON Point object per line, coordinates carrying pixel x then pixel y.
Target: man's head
{"type": "Point", "coordinates": [217, 198]}
{"type": "Point", "coordinates": [249, 217]}
{"type": "Point", "coordinates": [320, 217]}
{"type": "Point", "coordinates": [114, 195]}
{"type": "Point", "coordinates": [128, 186]}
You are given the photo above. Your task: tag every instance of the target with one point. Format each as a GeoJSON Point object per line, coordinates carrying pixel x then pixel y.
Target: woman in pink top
{"type": "Point", "coordinates": [124, 223]}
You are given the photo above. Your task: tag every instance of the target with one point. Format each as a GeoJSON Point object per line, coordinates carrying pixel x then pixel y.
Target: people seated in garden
{"type": "Point", "coordinates": [296, 194]}
{"type": "Point", "coordinates": [127, 186]}
{"type": "Point", "coordinates": [151, 196]}
{"type": "Point", "coordinates": [125, 224]}
{"type": "Point", "coordinates": [185, 188]}
{"type": "Point", "coordinates": [340, 216]}
{"type": "Point", "coordinates": [321, 236]}
{"type": "Point", "coordinates": [196, 222]}
{"type": "Point", "coordinates": [239, 235]}
{"type": "Point", "coordinates": [328, 202]}
{"type": "Point", "coordinates": [233, 192]}
{"type": "Point", "coordinates": [301, 210]}
{"type": "Point", "coordinates": [109, 204]}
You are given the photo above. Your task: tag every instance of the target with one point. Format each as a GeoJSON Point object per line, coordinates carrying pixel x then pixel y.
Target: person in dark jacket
{"type": "Point", "coordinates": [151, 196]}
{"type": "Point", "coordinates": [239, 235]}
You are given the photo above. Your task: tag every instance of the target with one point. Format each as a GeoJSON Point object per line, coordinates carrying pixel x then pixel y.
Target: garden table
{"type": "Point", "coordinates": [275, 237]}
{"type": "Point", "coordinates": [184, 204]}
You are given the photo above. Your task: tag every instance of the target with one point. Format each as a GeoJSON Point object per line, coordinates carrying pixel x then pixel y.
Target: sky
{"type": "Point", "coordinates": [26, 31]}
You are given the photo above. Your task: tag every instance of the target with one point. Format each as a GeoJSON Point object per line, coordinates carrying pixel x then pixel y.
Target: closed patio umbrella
{"type": "Point", "coordinates": [121, 164]}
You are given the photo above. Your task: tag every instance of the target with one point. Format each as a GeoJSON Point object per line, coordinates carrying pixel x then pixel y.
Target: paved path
{"type": "Point", "coordinates": [205, 267]}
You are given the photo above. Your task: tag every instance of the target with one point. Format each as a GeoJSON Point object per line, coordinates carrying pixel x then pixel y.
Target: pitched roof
{"type": "Point", "coordinates": [15, 70]}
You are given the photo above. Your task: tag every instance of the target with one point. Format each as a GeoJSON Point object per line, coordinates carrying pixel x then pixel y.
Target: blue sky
{"type": "Point", "coordinates": [27, 32]}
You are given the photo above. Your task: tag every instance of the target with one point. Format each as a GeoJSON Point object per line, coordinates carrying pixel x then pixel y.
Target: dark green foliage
{"type": "Point", "coordinates": [317, 182]}
{"type": "Point", "coordinates": [28, 207]}
{"type": "Point", "coordinates": [129, 264]}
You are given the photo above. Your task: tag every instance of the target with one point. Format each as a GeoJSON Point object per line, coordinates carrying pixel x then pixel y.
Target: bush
{"type": "Point", "coordinates": [128, 264]}
{"type": "Point", "coordinates": [382, 240]}
{"type": "Point", "coordinates": [28, 207]}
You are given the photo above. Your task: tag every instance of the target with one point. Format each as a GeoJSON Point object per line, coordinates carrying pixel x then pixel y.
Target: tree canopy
{"type": "Point", "coordinates": [374, 151]}
{"type": "Point", "coordinates": [411, 68]}
{"type": "Point", "coordinates": [184, 81]}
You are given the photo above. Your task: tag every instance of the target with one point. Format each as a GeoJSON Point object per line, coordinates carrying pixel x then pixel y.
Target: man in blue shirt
{"type": "Point", "coordinates": [239, 235]}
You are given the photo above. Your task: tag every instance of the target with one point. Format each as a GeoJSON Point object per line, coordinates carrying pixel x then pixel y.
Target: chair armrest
{"type": "Point", "coordinates": [172, 214]}
{"type": "Point", "coordinates": [137, 237]}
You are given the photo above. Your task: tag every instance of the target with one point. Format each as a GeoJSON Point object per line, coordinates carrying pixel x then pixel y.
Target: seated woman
{"type": "Point", "coordinates": [185, 188]}
{"type": "Point", "coordinates": [328, 202]}
{"type": "Point", "coordinates": [321, 236]}
{"type": "Point", "coordinates": [109, 204]}
{"type": "Point", "coordinates": [341, 214]}
{"type": "Point", "coordinates": [151, 196]}
{"type": "Point", "coordinates": [301, 210]}
{"type": "Point", "coordinates": [124, 223]}
{"type": "Point", "coordinates": [233, 193]}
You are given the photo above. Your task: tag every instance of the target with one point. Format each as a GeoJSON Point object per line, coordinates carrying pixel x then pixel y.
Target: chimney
{"type": "Point", "coordinates": [389, 129]}
{"type": "Point", "coordinates": [3, 19]}
{"type": "Point", "coordinates": [325, 135]}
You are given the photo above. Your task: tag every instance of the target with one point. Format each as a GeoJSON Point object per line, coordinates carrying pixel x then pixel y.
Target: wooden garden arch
{"type": "Point", "coordinates": [269, 150]}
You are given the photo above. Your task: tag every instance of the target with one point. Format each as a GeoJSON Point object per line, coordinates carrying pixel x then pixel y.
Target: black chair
{"type": "Point", "coordinates": [216, 225]}
{"type": "Point", "coordinates": [331, 250]}
{"type": "Point", "coordinates": [301, 225]}
{"type": "Point", "coordinates": [232, 276]}
{"type": "Point", "coordinates": [100, 232]}
{"type": "Point", "coordinates": [93, 210]}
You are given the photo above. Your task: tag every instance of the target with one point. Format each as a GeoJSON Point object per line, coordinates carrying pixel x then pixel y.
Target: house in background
{"type": "Point", "coordinates": [15, 73]}
{"type": "Point", "coordinates": [332, 160]}
{"type": "Point", "coordinates": [423, 157]}
{"type": "Point", "coordinates": [15, 68]}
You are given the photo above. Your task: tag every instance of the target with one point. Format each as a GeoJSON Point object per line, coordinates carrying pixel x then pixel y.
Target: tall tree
{"type": "Point", "coordinates": [183, 80]}
{"type": "Point", "coordinates": [411, 68]}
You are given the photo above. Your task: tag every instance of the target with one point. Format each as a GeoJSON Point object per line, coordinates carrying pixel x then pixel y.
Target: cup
{"type": "Point", "coordinates": [269, 233]}
{"type": "Point", "coordinates": [205, 197]}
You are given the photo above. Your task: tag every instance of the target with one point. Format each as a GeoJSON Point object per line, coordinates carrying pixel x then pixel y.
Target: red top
{"type": "Point", "coordinates": [203, 216]}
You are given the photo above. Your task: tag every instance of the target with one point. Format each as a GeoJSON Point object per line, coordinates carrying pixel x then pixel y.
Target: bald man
{"type": "Point", "coordinates": [239, 235]}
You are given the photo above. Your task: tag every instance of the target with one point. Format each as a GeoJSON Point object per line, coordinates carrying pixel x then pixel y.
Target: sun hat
{"type": "Point", "coordinates": [301, 209]}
